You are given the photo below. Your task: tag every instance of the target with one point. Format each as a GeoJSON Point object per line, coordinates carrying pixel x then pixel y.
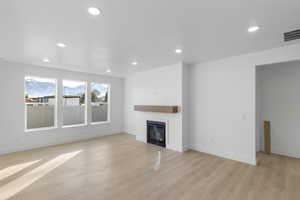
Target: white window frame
{"type": "Point", "coordinates": [55, 106]}
{"type": "Point", "coordinates": [108, 104]}
{"type": "Point", "coordinates": [85, 100]}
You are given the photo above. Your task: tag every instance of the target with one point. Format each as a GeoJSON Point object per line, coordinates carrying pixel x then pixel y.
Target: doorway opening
{"type": "Point", "coordinates": [278, 108]}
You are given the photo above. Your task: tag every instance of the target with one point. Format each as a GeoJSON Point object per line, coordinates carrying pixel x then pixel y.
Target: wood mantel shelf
{"type": "Point", "coordinates": [162, 109]}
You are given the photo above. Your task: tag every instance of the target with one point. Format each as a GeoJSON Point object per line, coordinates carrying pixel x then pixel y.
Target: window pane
{"type": "Point", "coordinates": [74, 108]}
{"type": "Point", "coordinates": [40, 102]}
{"type": "Point", "coordinates": [99, 102]}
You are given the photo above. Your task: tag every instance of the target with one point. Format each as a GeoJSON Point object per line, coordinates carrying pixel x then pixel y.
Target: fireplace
{"type": "Point", "coordinates": [156, 133]}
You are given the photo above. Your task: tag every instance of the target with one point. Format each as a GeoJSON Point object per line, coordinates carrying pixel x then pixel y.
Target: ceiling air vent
{"type": "Point", "coordinates": [292, 35]}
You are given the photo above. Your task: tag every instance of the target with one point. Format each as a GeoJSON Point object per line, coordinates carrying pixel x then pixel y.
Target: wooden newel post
{"type": "Point", "coordinates": [267, 134]}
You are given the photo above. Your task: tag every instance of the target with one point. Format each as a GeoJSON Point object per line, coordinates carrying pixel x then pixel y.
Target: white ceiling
{"type": "Point", "coordinates": [146, 30]}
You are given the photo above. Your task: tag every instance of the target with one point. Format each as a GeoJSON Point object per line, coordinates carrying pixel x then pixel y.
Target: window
{"type": "Point", "coordinates": [100, 102]}
{"type": "Point", "coordinates": [40, 103]}
{"type": "Point", "coordinates": [74, 103]}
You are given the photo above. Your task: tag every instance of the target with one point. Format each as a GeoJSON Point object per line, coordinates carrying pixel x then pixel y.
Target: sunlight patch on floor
{"type": "Point", "coordinates": [9, 171]}
{"type": "Point", "coordinates": [17, 185]}
{"type": "Point", "coordinates": [158, 161]}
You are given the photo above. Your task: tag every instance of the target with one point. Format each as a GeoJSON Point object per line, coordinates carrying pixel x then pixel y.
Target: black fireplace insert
{"type": "Point", "coordinates": [156, 133]}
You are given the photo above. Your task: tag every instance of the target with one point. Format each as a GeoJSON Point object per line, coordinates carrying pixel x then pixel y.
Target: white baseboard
{"type": "Point", "coordinates": [142, 139]}
{"type": "Point", "coordinates": [38, 146]}
{"type": "Point", "coordinates": [239, 158]}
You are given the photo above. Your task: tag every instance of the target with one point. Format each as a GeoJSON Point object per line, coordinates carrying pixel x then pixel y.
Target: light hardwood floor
{"type": "Point", "coordinates": [119, 167]}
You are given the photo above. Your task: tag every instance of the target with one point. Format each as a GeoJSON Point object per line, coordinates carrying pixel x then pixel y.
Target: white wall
{"type": "Point", "coordinates": [185, 109]}
{"type": "Point", "coordinates": [279, 86]}
{"type": "Point", "coordinates": [13, 137]}
{"type": "Point", "coordinates": [161, 86]}
{"type": "Point", "coordinates": [222, 103]}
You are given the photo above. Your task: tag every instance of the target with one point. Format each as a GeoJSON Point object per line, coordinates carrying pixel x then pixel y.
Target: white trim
{"type": "Point", "coordinates": [55, 106]}
{"type": "Point", "coordinates": [75, 125]}
{"type": "Point", "coordinates": [40, 129]}
{"type": "Point", "coordinates": [98, 123]}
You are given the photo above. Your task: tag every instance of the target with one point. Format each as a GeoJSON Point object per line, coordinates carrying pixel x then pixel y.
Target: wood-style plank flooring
{"type": "Point", "coordinates": [119, 167]}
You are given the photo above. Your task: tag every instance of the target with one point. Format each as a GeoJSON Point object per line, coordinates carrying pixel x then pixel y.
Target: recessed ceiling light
{"type": "Point", "coordinates": [178, 51]}
{"type": "Point", "coordinates": [61, 45]}
{"type": "Point", "coordinates": [46, 60]}
{"type": "Point", "coordinates": [252, 29]}
{"type": "Point", "coordinates": [108, 70]}
{"type": "Point", "coordinates": [94, 11]}
{"type": "Point", "coordinates": [134, 63]}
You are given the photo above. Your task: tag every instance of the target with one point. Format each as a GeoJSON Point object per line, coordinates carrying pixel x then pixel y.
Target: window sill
{"type": "Point", "coordinates": [39, 129]}
{"type": "Point", "coordinates": [75, 125]}
{"type": "Point", "coordinates": [99, 123]}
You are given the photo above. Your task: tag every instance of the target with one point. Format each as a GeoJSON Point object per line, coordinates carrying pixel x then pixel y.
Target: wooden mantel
{"type": "Point", "coordinates": [162, 109]}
